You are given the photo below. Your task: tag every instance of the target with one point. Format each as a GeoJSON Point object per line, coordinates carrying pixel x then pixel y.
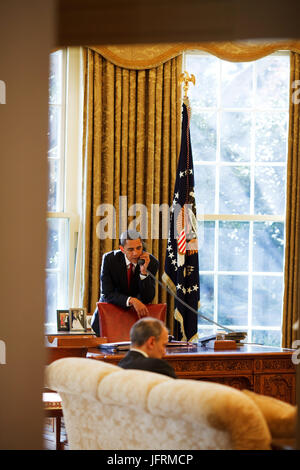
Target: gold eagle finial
{"type": "Point", "coordinates": [186, 78]}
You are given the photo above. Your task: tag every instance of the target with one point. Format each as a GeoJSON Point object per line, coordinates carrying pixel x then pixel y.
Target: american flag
{"type": "Point", "coordinates": [182, 265]}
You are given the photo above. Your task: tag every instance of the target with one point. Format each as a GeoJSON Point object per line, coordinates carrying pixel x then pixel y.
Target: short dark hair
{"type": "Point", "coordinates": [144, 328]}
{"type": "Point", "coordinates": [130, 235]}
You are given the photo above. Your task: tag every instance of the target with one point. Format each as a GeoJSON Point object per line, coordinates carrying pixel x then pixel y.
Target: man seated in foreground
{"type": "Point", "coordinates": [149, 338]}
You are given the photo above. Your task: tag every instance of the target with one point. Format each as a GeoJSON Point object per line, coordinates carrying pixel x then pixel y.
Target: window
{"type": "Point", "coordinates": [64, 179]}
{"type": "Point", "coordinates": [239, 128]}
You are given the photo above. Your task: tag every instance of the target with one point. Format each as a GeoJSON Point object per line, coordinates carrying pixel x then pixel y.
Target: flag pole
{"type": "Point", "coordinates": [181, 265]}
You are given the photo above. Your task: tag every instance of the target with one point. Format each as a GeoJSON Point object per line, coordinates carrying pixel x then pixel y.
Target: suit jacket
{"type": "Point", "coordinates": [114, 284]}
{"type": "Point", "coordinates": [136, 360]}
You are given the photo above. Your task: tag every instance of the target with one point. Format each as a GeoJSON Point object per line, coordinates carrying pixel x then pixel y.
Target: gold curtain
{"type": "Point", "coordinates": [131, 141]}
{"type": "Point", "coordinates": [290, 304]}
{"type": "Point", "coordinates": [142, 56]}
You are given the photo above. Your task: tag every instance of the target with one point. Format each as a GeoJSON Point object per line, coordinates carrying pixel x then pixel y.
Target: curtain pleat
{"type": "Point", "coordinates": [131, 142]}
{"type": "Point", "coordinates": [291, 288]}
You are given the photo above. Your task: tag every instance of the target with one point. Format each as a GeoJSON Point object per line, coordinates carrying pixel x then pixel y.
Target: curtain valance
{"type": "Point", "coordinates": [145, 56]}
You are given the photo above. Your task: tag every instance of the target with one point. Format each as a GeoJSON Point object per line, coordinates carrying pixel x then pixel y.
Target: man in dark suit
{"type": "Point", "coordinates": [149, 338]}
{"type": "Point", "coordinates": [123, 281]}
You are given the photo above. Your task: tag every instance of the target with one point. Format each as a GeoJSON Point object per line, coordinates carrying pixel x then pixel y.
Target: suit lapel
{"type": "Point", "coordinates": [122, 269]}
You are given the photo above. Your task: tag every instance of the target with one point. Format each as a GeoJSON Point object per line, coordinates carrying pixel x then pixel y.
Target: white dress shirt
{"type": "Point", "coordinates": [142, 276]}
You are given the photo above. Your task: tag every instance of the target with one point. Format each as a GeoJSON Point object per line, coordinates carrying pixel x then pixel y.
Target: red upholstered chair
{"type": "Point", "coordinates": [116, 322]}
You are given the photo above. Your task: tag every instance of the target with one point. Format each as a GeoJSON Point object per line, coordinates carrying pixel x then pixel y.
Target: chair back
{"type": "Point", "coordinates": [115, 322]}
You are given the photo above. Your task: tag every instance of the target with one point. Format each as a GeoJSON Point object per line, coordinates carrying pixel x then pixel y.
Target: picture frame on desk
{"type": "Point", "coordinates": [89, 322]}
{"type": "Point", "coordinates": [77, 319]}
{"type": "Point", "coordinates": [63, 323]}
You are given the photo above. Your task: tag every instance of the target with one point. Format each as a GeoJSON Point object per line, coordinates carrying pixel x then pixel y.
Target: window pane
{"type": "Point", "coordinates": [54, 200]}
{"type": "Point", "coordinates": [272, 82]}
{"type": "Point", "coordinates": [206, 247]}
{"type": "Point", "coordinates": [207, 298]}
{"type": "Point", "coordinates": [233, 246]}
{"type": "Point", "coordinates": [271, 137]}
{"type": "Point", "coordinates": [51, 296]}
{"type": "Point", "coordinates": [269, 190]}
{"type": "Point", "coordinates": [267, 300]}
{"type": "Point", "coordinates": [233, 300]}
{"type": "Point", "coordinates": [205, 69]}
{"type": "Point", "coordinates": [267, 337]}
{"type": "Point", "coordinates": [58, 239]}
{"type": "Point", "coordinates": [203, 136]}
{"type": "Point", "coordinates": [53, 244]}
{"type": "Point", "coordinates": [205, 179]}
{"type": "Point", "coordinates": [57, 266]}
{"type": "Point", "coordinates": [234, 190]}
{"type": "Point", "coordinates": [237, 87]}
{"type": "Point", "coordinates": [268, 246]}
{"type": "Point", "coordinates": [55, 78]}
{"type": "Point", "coordinates": [239, 129]}
{"type": "Point", "coordinates": [54, 131]}
{"type": "Point", "coordinates": [53, 177]}
{"type": "Point", "coordinates": [58, 228]}
{"type": "Point", "coordinates": [205, 330]}
{"type": "Point", "coordinates": [235, 136]}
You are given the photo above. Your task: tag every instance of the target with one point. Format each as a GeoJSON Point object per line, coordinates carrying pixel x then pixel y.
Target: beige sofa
{"type": "Point", "coordinates": [106, 407]}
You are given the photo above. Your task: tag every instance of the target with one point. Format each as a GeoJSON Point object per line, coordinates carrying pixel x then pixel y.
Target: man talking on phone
{"type": "Point", "coordinates": [124, 280]}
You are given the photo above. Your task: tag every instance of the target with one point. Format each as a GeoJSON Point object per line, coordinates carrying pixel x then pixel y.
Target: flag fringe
{"type": "Point", "coordinates": [178, 317]}
{"type": "Point", "coordinates": [168, 281]}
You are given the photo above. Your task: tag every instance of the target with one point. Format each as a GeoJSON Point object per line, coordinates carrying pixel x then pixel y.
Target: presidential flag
{"type": "Point", "coordinates": [182, 265]}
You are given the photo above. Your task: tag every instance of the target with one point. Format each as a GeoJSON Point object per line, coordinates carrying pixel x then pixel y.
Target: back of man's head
{"type": "Point", "coordinates": [144, 328]}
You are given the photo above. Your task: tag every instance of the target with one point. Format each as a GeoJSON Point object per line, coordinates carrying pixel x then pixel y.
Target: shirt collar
{"type": "Point", "coordinates": [140, 351]}
{"type": "Point", "coordinates": [128, 262]}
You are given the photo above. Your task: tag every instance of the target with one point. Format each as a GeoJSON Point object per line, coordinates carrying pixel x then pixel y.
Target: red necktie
{"type": "Point", "coordinates": [129, 274]}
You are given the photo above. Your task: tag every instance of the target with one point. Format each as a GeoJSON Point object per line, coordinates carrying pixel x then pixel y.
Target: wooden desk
{"type": "Point", "coordinates": [53, 409]}
{"type": "Point", "coordinates": [69, 344]}
{"type": "Point", "coordinates": [265, 370]}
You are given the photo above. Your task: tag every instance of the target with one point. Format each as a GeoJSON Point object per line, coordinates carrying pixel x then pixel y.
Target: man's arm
{"type": "Point", "coordinates": [147, 286]}
{"type": "Point", "coordinates": [109, 292]}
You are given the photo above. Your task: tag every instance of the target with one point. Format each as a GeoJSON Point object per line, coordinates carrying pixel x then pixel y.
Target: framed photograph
{"type": "Point", "coordinates": [89, 322]}
{"type": "Point", "coordinates": [77, 319]}
{"type": "Point", "coordinates": [62, 320]}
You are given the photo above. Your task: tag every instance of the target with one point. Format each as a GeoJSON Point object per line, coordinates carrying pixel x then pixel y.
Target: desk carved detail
{"type": "Point", "coordinates": [274, 364]}
{"type": "Point", "coordinates": [240, 383]}
{"type": "Point", "coordinates": [280, 386]}
{"type": "Point", "coordinates": [212, 365]}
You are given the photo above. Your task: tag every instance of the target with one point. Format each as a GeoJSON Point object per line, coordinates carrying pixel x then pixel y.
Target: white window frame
{"type": "Point", "coordinates": [71, 148]}
{"type": "Point", "coordinates": [251, 218]}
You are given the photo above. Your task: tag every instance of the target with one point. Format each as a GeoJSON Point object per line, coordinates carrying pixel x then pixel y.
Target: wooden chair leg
{"type": "Point", "coordinates": [58, 429]}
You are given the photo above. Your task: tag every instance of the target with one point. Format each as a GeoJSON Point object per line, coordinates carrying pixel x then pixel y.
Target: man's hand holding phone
{"type": "Point", "coordinates": [143, 267]}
